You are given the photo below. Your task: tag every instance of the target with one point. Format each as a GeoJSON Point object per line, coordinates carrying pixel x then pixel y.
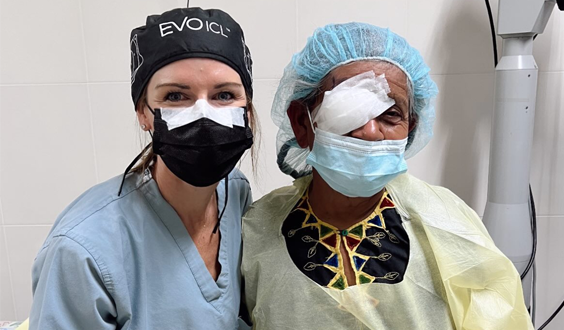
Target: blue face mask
{"type": "Point", "coordinates": [355, 167]}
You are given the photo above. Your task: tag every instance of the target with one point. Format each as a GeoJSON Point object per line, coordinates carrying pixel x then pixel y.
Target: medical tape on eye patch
{"type": "Point", "coordinates": [229, 117]}
{"type": "Point", "coordinates": [353, 103]}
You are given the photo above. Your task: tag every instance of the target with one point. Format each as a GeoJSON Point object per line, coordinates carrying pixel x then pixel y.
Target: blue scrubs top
{"type": "Point", "coordinates": [128, 262]}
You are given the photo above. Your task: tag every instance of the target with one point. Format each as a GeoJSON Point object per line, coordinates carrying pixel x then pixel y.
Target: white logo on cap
{"type": "Point", "coordinates": [194, 24]}
{"type": "Point", "coordinates": [136, 58]}
{"type": "Point", "coordinates": [247, 59]}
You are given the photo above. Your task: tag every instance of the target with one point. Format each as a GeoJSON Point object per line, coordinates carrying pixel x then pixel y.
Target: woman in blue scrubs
{"type": "Point", "coordinates": [160, 248]}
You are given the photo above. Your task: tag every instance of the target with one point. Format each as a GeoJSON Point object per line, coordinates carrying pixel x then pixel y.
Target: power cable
{"type": "Point", "coordinates": [492, 28]}
{"type": "Point", "coordinates": [533, 213]}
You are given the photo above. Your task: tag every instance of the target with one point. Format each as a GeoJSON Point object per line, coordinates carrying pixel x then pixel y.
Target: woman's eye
{"type": "Point", "coordinates": [225, 96]}
{"type": "Point", "coordinates": [174, 97]}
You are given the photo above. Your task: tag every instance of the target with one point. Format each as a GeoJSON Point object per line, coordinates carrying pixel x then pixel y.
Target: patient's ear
{"type": "Point", "coordinates": [297, 112]}
{"type": "Point", "coordinates": [413, 121]}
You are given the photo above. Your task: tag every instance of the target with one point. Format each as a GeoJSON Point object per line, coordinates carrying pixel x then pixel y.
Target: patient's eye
{"type": "Point", "coordinates": [392, 115]}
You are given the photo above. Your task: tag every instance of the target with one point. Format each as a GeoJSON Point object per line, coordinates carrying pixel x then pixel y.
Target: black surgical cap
{"type": "Point", "coordinates": [188, 33]}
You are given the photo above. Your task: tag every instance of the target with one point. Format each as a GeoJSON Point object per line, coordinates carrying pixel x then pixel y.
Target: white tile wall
{"type": "Point", "coordinates": [107, 26]}
{"type": "Point", "coordinates": [23, 243]}
{"type": "Point", "coordinates": [45, 39]}
{"type": "Point", "coordinates": [117, 137]}
{"type": "Point", "coordinates": [269, 27]}
{"type": "Point", "coordinates": [47, 150]}
{"type": "Point", "coordinates": [66, 119]}
{"type": "Point", "coordinates": [447, 32]}
{"type": "Point", "coordinates": [457, 156]}
{"type": "Point", "coordinates": [317, 13]}
{"type": "Point", "coordinates": [550, 267]}
{"type": "Point", "coordinates": [547, 174]}
{"type": "Point", "coordinates": [7, 307]}
{"type": "Point", "coordinates": [549, 46]}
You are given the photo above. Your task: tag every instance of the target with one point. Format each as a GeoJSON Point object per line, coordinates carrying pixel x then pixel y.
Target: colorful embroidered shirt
{"type": "Point", "coordinates": [377, 246]}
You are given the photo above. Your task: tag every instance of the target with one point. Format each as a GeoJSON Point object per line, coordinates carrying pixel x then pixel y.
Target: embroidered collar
{"type": "Point", "coordinates": [362, 241]}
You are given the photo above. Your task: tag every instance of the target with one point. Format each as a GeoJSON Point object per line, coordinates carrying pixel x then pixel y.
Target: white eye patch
{"type": "Point", "coordinates": [353, 103]}
{"type": "Point", "coordinates": [202, 109]}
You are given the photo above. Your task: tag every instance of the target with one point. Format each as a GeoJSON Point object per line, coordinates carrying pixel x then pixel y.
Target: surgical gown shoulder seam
{"type": "Point", "coordinates": [101, 208]}
{"type": "Point", "coordinates": [106, 276]}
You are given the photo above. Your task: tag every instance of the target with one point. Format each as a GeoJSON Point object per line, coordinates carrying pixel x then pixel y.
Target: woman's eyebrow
{"type": "Point", "coordinates": [227, 84]}
{"type": "Point", "coordinates": [181, 86]}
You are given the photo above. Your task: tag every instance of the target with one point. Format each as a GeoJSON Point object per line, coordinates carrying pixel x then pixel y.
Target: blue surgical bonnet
{"type": "Point", "coordinates": [337, 44]}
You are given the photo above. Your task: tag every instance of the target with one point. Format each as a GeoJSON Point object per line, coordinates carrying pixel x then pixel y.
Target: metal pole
{"type": "Point", "coordinates": [507, 211]}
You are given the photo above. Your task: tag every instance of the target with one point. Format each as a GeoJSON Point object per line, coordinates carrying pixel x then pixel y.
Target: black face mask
{"type": "Point", "coordinates": [203, 152]}
{"type": "Point", "coordinates": [200, 153]}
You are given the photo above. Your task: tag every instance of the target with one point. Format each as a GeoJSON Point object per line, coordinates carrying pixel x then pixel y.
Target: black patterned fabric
{"type": "Point", "coordinates": [377, 247]}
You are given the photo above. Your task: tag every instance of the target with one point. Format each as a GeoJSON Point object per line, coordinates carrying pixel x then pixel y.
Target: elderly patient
{"type": "Point", "coordinates": [356, 243]}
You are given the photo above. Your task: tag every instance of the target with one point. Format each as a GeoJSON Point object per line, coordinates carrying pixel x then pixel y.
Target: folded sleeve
{"type": "Point", "coordinates": [70, 289]}
{"type": "Point", "coordinates": [482, 285]}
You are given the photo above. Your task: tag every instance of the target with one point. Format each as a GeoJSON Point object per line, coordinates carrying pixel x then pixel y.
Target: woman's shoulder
{"type": "Point", "coordinates": [237, 176]}
{"type": "Point", "coordinates": [98, 223]}
{"type": "Point", "coordinates": [238, 183]}
{"type": "Point", "coordinates": [92, 239]}
{"type": "Point", "coordinates": [97, 207]}
{"type": "Point", "coordinates": [238, 190]}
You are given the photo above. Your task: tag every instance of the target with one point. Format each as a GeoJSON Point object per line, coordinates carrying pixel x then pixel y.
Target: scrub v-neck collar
{"type": "Point", "coordinates": [211, 290]}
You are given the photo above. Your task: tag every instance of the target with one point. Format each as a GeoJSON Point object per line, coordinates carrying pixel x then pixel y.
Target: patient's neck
{"type": "Point", "coordinates": [337, 209]}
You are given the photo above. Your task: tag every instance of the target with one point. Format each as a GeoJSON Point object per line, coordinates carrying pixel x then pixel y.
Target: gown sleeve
{"type": "Point", "coordinates": [70, 289]}
{"type": "Point", "coordinates": [482, 285]}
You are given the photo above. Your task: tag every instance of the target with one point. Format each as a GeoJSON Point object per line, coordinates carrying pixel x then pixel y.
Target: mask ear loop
{"type": "Point", "coordinates": [224, 204]}
{"type": "Point", "coordinates": [136, 159]}
{"type": "Point", "coordinates": [310, 120]}
{"type": "Point", "coordinates": [153, 112]}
